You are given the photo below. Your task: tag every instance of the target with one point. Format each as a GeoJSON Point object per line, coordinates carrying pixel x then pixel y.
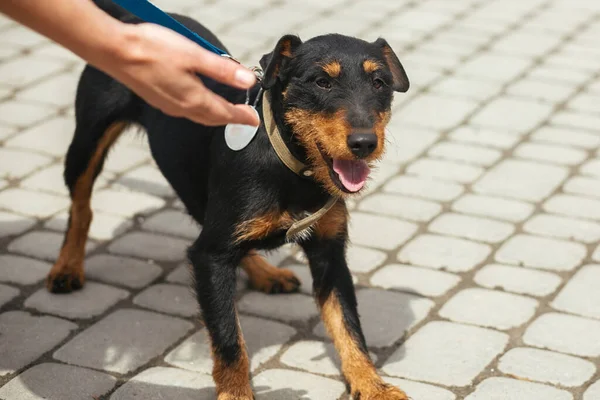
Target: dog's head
{"type": "Point", "coordinates": [337, 94]}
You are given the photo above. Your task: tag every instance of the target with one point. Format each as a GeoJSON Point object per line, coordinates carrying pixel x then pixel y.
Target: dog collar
{"type": "Point", "coordinates": [296, 166]}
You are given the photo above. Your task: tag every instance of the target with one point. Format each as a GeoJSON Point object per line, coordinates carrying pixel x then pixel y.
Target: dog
{"type": "Point", "coordinates": [328, 99]}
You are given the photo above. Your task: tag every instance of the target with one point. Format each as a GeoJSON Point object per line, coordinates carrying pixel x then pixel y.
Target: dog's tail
{"type": "Point", "coordinates": [112, 9]}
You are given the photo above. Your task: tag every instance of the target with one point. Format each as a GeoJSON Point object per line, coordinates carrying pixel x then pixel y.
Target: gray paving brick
{"type": "Point", "coordinates": [34, 204]}
{"type": "Point", "coordinates": [573, 206]}
{"type": "Point", "coordinates": [575, 120]}
{"type": "Point", "coordinates": [402, 311]}
{"type": "Point", "coordinates": [103, 226]}
{"type": "Point", "coordinates": [593, 392]}
{"type": "Point", "coordinates": [408, 144]}
{"type": "Point", "coordinates": [49, 180]}
{"type": "Point", "coordinates": [421, 391]}
{"type": "Point", "coordinates": [583, 185]}
{"type": "Point", "coordinates": [467, 88]}
{"type": "Point", "coordinates": [21, 114]}
{"type": "Point", "coordinates": [446, 353]}
{"type": "Point", "coordinates": [563, 228]}
{"type": "Point", "coordinates": [125, 204]}
{"type": "Point", "coordinates": [417, 280]}
{"type": "Point", "coordinates": [556, 154]}
{"type": "Point", "coordinates": [57, 91]}
{"type": "Point", "coordinates": [580, 295]}
{"type": "Point", "coordinates": [284, 307]}
{"type": "Point", "coordinates": [7, 293]}
{"type": "Point", "coordinates": [121, 342]}
{"type": "Point", "coordinates": [146, 179]}
{"type": "Point", "coordinates": [484, 137]}
{"type": "Point", "coordinates": [170, 299]}
{"type": "Point", "coordinates": [57, 381]}
{"type": "Point", "coordinates": [19, 72]}
{"type": "Point", "coordinates": [361, 259]}
{"type": "Point", "coordinates": [22, 270]}
{"type": "Point", "coordinates": [566, 137]}
{"type": "Point", "coordinates": [546, 366]}
{"type": "Point", "coordinates": [401, 206]}
{"type": "Point", "coordinates": [474, 228]}
{"type": "Point", "coordinates": [279, 384]}
{"type": "Point", "coordinates": [544, 253]}
{"type": "Point", "coordinates": [494, 67]}
{"type": "Point", "coordinates": [523, 180]}
{"type": "Point", "coordinates": [512, 389]}
{"type": "Point", "coordinates": [263, 338]}
{"type": "Point", "coordinates": [41, 244]}
{"type": "Point", "coordinates": [440, 252]}
{"type": "Point", "coordinates": [158, 383]}
{"type": "Point", "coordinates": [93, 300]}
{"type": "Point", "coordinates": [26, 337]}
{"type": "Point", "coordinates": [12, 224]}
{"type": "Point", "coordinates": [122, 158]}
{"type": "Point", "coordinates": [445, 170]}
{"type": "Point", "coordinates": [172, 222]}
{"type": "Point", "coordinates": [591, 168]}
{"type": "Point", "coordinates": [435, 111]}
{"type": "Point", "coordinates": [182, 275]}
{"type": "Point", "coordinates": [565, 333]}
{"type": "Point", "coordinates": [465, 153]}
{"type": "Point", "coordinates": [493, 207]}
{"type": "Point", "coordinates": [390, 232]}
{"type": "Point", "coordinates": [517, 279]}
{"type": "Point", "coordinates": [51, 137]}
{"type": "Point", "coordinates": [150, 246]}
{"type": "Point", "coordinates": [123, 271]}
{"type": "Point", "coordinates": [540, 90]}
{"type": "Point", "coordinates": [489, 308]}
{"type": "Point", "coordinates": [424, 187]}
{"type": "Point", "coordinates": [15, 163]}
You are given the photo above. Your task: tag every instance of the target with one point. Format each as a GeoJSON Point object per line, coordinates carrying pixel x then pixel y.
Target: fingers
{"type": "Point", "coordinates": [222, 69]}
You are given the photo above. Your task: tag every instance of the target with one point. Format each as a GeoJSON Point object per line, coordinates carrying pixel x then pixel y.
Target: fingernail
{"type": "Point", "coordinates": [244, 77]}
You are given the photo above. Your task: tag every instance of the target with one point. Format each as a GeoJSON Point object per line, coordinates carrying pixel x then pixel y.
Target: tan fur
{"type": "Point", "coordinates": [357, 367]}
{"type": "Point", "coordinates": [69, 265]}
{"type": "Point", "coordinates": [371, 66]}
{"type": "Point", "coordinates": [334, 223]}
{"type": "Point", "coordinates": [333, 69]}
{"type": "Point", "coordinates": [261, 227]}
{"type": "Point", "coordinates": [233, 381]}
{"type": "Point", "coordinates": [265, 277]}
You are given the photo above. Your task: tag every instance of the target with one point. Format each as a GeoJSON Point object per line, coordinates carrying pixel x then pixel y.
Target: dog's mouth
{"type": "Point", "coordinates": [349, 176]}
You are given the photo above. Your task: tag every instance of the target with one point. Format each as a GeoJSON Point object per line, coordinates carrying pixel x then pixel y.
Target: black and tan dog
{"type": "Point", "coordinates": [329, 99]}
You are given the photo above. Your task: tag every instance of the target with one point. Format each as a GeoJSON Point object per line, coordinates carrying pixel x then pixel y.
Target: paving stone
{"type": "Point", "coordinates": [34, 204]}
{"type": "Point", "coordinates": [593, 392]}
{"type": "Point", "coordinates": [565, 333]}
{"type": "Point", "coordinates": [44, 245]}
{"type": "Point", "coordinates": [303, 273]}
{"type": "Point", "coordinates": [22, 71]}
{"type": "Point", "coordinates": [150, 246]}
{"type": "Point", "coordinates": [12, 224]}
{"type": "Point", "coordinates": [146, 179]}
{"type": "Point", "coordinates": [564, 228]}
{"type": "Point", "coordinates": [91, 301]}
{"type": "Point", "coordinates": [263, 338]}
{"type": "Point", "coordinates": [417, 280]}
{"type": "Point", "coordinates": [444, 170]}
{"type": "Point", "coordinates": [103, 226]}
{"type": "Point", "coordinates": [440, 252]}
{"type": "Point", "coordinates": [424, 187]}
{"type": "Point", "coordinates": [390, 232]}
{"type": "Point", "coordinates": [21, 114]}
{"type": "Point", "coordinates": [435, 112]}
{"type": "Point", "coordinates": [121, 271]}
{"type": "Point", "coordinates": [313, 356]}
{"type": "Point", "coordinates": [566, 137]}
{"type": "Point", "coordinates": [538, 252]}
{"type": "Point", "coordinates": [57, 381]}
{"type": "Point", "coordinates": [121, 341]}
{"type": "Point", "coordinates": [494, 67]}
{"type": "Point", "coordinates": [407, 143]}
{"type": "Point", "coordinates": [49, 180]}
{"type": "Point", "coordinates": [170, 299]}
{"type": "Point", "coordinates": [22, 270]}
{"type": "Point", "coordinates": [550, 153]}
{"type": "Point", "coordinates": [580, 295]}
{"type": "Point", "coordinates": [182, 275]}
{"type": "Point", "coordinates": [583, 185]}
{"type": "Point", "coordinates": [400, 206]}
{"type": "Point", "coordinates": [465, 153]}
{"type": "Point", "coordinates": [484, 137]}
{"type": "Point", "coordinates": [512, 113]}
{"type": "Point", "coordinates": [122, 158]}
{"type": "Point", "coordinates": [576, 120]}
{"type": "Point", "coordinates": [58, 91]}
{"type": "Point", "coordinates": [362, 260]}
{"type": "Point", "coordinates": [125, 204]}
{"type": "Point", "coordinates": [420, 391]}
{"type": "Point", "coordinates": [489, 308]}
{"type": "Point", "coordinates": [402, 311]}
{"type": "Point", "coordinates": [512, 389]}
{"type": "Point", "coordinates": [158, 383]}
{"type": "Point", "coordinates": [591, 168]}
{"type": "Point", "coordinates": [279, 384]}
{"type": "Point", "coordinates": [284, 307]}
{"type": "Point", "coordinates": [16, 163]}
{"type": "Point", "coordinates": [546, 366]}
{"type": "Point", "coordinates": [172, 222]}
{"type": "Point", "coordinates": [475, 228]}
{"type": "Point", "coordinates": [467, 88]}
{"type": "Point", "coordinates": [493, 207]}
{"type": "Point", "coordinates": [539, 90]}
{"type": "Point", "coordinates": [26, 337]}
{"type": "Point", "coordinates": [7, 293]}
{"type": "Point", "coordinates": [517, 279]}
{"type": "Point", "coordinates": [573, 206]}
{"type": "Point", "coordinates": [446, 353]}
{"type": "Point", "coordinates": [51, 137]}
{"type": "Point", "coordinates": [523, 180]}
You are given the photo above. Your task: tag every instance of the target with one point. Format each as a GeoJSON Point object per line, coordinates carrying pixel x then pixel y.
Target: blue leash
{"type": "Point", "coordinates": [148, 12]}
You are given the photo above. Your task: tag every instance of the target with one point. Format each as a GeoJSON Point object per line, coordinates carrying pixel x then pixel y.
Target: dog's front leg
{"type": "Point", "coordinates": [215, 276]}
{"type": "Point", "coordinates": [334, 291]}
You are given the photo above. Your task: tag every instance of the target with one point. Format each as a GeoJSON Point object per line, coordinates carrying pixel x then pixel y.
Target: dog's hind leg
{"type": "Point", "coordinates": [266, 277]}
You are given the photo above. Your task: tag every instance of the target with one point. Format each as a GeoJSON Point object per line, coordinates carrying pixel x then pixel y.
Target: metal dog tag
{"type": "Point", "coordinates": [238, 136]}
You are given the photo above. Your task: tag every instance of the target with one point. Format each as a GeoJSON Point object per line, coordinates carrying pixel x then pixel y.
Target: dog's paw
{"type": "Point", "coordinates": [280, 280]}
{"type": "Point", "coordinates": [386, 392]}
{"type": "Point", "coordinates": [62, 279]}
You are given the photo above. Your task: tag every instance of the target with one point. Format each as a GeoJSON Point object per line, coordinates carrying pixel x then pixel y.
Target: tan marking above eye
{"type": "Point", "coordinates": [371, 66]}
{"type": "Point", "coordinates": [333, 69]}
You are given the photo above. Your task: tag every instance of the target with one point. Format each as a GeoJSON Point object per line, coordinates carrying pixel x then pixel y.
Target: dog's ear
{"type": "Point", "coordinates": [400, 79]}
{"type": "Point", "coordinates": [273, 63]}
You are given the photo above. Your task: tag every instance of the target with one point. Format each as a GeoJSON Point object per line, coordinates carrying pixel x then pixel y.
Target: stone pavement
{"type": "Point", "coordinates": [475, 250]}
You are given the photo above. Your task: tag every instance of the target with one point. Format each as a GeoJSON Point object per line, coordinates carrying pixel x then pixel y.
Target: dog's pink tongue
{"type": "Point", "coordinates": [353, 173]}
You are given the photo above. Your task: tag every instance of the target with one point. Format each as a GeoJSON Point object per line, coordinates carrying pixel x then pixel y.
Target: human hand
{"type": "Point", "coordinates": [159, 65]}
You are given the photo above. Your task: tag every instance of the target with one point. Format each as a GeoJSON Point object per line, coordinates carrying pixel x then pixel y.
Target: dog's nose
{"type": "Point", "coordinates": [362, 144]}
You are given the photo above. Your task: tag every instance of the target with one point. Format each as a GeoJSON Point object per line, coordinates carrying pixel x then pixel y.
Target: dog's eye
{"type": "Point", "coordinates": [323, 83]}
{"type": "Point", "coordinates": [377, 83]}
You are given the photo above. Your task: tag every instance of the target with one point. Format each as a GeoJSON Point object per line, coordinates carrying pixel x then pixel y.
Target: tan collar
{"type": "Point", "coordinates": [296, 166]}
